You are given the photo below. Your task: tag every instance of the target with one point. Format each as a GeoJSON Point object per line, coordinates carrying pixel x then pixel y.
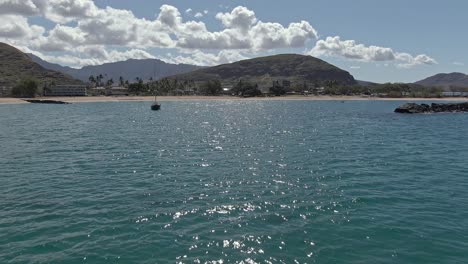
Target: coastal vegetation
{"type": "Point", "coordinates": [210, 87]}
{"type": "Point", "coordinates": [250, 88]}
{"type": "Point", "coordinates": [246, 89]}
{"type": "Point", "coordinates": [25, 88]}
{"type": "Point", "coordinates": [392, 90]}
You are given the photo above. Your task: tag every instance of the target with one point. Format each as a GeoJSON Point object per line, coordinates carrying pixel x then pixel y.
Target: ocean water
{"type": "Point", "coordinates": [232, 182]}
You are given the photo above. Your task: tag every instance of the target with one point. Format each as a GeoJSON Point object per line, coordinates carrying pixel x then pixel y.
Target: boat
{"type": "Point", "coordinates": [156, 105]}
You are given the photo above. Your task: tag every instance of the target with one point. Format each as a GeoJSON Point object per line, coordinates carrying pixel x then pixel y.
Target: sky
{"type": "Point", "coordinates": [379, 41]}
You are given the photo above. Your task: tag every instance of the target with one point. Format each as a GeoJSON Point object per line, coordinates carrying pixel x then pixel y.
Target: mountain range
{"type": "Point", "coordinates": [16, 66]}
{"type": "Point", "coordinates": [128, 70]}
{"type": "Point", "coordinates": [264, 70]}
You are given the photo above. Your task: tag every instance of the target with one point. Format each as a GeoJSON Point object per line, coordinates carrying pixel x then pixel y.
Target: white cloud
{"type": "Point", "coordinates": [94, 55]}
{"type": "Point", "coordinates": [62, 11]}
{"type": "Point", "coordinates": [267, 36]}
{"type": "Point", "coordinates": [407, 61]}
{"type": "Point", "coordinates": [118, 27]}
{"type": "Point", "coordinates": [457, 63]}
{"type": "Point", "coordinates": [20, 7]}
{"type": "Point", "coordinates": [355, 67]}
{"type": "Point", "coordinates": [244, 31]}
{"type": "Point", "coordinates": [60, 38]}
{"type": "Point", "coordinates": [15, 27]}
{"type": "Point", "coordinates": [206, 59]}
{"type": "Point", "coordinates": [240, 18]}
{"type": "Point", "coordinates": [59, 11]}
{"type": "Point", "coordinates": [334, 46]}
{"type": "Point", "coordinates": [170, 16]}
{"type": "Point", "coordinates": [108, 34]}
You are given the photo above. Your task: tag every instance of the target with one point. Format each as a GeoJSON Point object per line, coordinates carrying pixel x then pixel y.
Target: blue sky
{"type": "Point", "coordinates": [382, 41]}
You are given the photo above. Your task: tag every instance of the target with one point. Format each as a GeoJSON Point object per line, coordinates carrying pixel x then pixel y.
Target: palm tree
{"type": "Point", "coordinates": [99, 80]}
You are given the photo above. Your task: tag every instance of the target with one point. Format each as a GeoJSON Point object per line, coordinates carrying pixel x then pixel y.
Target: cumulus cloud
{"type": "Point", "coordinates": [109, 34]}
{"type": "Point", "coordinates": [273, 35]}
{"type": "Point", "coordinates": [241, 18]}
{"type": "Point", "coordinates": [62, 11]}
{"type": "Point", "coordinates": [59, 11]}
{"type": "Point", "coordinates": [334, 46]}
{"type": "Point", "coordinates": [15, 27]}
{"type": "Point", "coordinates": [60, 38]}
{"type": "Point", "coordinates": [94, 55]}
{"type": "Point", "coordinates": [21, 7]}
{"type": "Point", "coordinates": [407, 60]}
{"type": "Point", "coordinates": [242, 30]}
{"type": "Point", "coordinates": [206, 59]}
{"type": "Point", "coordinates": [109, 26]}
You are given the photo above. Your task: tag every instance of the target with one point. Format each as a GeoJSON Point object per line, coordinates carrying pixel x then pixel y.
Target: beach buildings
{"type": "Point", "coordinates": [65, 90]}
{"type": "Point", "coordinates": [109, 91]}
{"type": "Point", "coordinates": [5, 91]}
{"type": "Point", "coordinates": [455, 94]}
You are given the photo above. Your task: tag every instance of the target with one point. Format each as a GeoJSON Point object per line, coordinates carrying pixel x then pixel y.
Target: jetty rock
{"type": "Point", "coordinates": [413, 108]}
{"type": "Point", "coordinates": [46, 102]}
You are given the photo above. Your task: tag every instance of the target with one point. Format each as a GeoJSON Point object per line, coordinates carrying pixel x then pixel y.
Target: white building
{"type": "Point", "coordinates": [109, 91]}
{"type": "Point", "coordinates": [117, 91]}
{"type": "Point", "coordinates": [454, 94]}
{"type": "Point", "coordinates": [5, 91]}
{"type": "Point", "coordinates": [65, 90]}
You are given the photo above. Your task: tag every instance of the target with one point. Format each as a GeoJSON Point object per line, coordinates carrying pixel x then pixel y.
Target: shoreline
{"type": "Point", "coordinates": [91, 99]}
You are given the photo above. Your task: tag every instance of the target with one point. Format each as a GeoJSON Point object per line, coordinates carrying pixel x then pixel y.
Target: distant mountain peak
{"type": "Point", "coordinates": [128, 69]}
{"type": "Point", "coordinates": [457, 79]}
{"type": "Point", "coordinates": [293, 67]}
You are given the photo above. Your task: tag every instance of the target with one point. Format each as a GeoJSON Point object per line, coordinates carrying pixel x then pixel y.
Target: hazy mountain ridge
{"type": "Point", "coordinates": [16, 66]}
{"type": "Point", "coordinates": [445, 80]}
{"type": "Point", "coordinates": [293, 67]}
{"type": "Point", "coordinates": [129, 69]}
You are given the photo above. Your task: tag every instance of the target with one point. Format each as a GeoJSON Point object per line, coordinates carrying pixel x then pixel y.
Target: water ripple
{"type": "Point", "coordinates": [232, 182]}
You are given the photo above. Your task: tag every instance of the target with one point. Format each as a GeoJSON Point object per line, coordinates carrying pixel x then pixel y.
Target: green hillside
{"type": "Point", "coordinates": [264, 70]}
{"type": "Point", "coordinates": [16, 65]}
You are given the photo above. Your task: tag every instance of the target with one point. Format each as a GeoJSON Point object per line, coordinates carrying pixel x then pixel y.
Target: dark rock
{"type": "Point", "coordinates": [412, 108]}
{"type": "Point", "coordinates": [46, 102]}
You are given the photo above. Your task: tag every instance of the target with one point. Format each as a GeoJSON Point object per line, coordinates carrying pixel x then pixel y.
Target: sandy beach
{"type": "Point", "coordinates": [90, 99]}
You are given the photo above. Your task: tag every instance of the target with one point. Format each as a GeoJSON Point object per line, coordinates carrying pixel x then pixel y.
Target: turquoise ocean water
{"type": "Point", "coordinates": [232, 182]}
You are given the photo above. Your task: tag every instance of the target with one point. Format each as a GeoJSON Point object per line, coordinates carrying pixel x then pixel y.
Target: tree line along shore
{"type": "Point", "coordinates": [99, 86]}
